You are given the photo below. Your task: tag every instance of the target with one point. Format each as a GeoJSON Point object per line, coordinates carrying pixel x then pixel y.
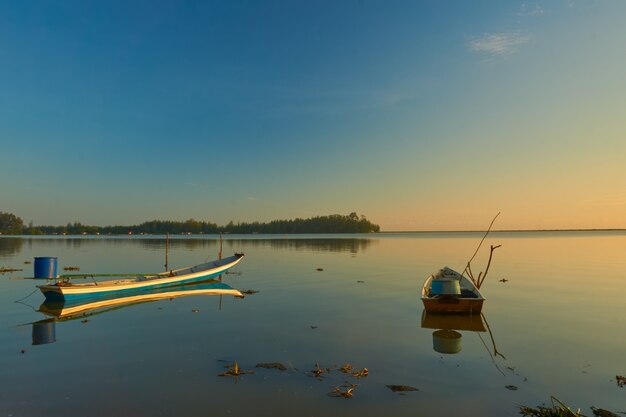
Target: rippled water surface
{"type": "Point", "coordinates": [556, 327]}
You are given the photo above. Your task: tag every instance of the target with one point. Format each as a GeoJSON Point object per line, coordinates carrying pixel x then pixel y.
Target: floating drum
{"type": "Point", "coordinates": [44, 333]}
{"type": "Point", "coordinates": [445, 287]}
{"type": "Point", "coordinates": [45, 267]}
{"type": "Point", "coordinates": [447, 341]}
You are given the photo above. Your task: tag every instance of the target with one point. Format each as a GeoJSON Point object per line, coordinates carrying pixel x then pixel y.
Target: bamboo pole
{"type": "Point", "coordinates": [167, 244]}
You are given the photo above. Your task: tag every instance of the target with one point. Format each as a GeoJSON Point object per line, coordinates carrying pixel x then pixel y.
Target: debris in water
{"type": "Point", "coordinates": [317, 371]}
{"type": "Point", "coordinates": [313, 327]}
{"type": "Point", "coordinates": [248, 292]}
{"type": "Point", "coordinates": [320, 269]}
{"type": "Point", "coordinates": [23, 351]}
{"type": "Point", "coordinates": [599, 412]}
{"type": "Point", "coordinates": [361, 374]}
{"type": "Point", "coordinates": [84, 321]}
{"type": "Point", "coordinates": [272, 365]}
{"type": "Point", "coordinates": [347, 393]}
{"type": "Point", "coordinates": [360, 282]}
{"type": "Point", "coordinates": [401, 388]}
{"type": "Point", "coordinates": [557, 410]}
{"type": "Point", "coordinates": [511, 387]}
{"type": "Point", "coordinates": [234, 370]}
{"type": "Point", "coordinates": [504, 280]}
{"type": "Point", "coordinates": [621, 381]}
{"type": "Point", "coordinates": [195, 310]}
{"type": "Point", "coordinates": [26, 262]}
{"type": "Point", "coordinates": [5, 270]}
{"type": "Point", "coordinates": [346, 368]}
{"type": "Point", "coordinates": [71, 268]}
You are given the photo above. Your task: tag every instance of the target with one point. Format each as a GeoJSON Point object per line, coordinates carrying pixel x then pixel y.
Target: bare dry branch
{"type": "Point", "coordinates": [480, 281]}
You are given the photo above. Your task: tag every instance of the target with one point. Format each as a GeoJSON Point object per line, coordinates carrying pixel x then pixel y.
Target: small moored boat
{"type": "Point", "coordinates": [65, 290]}
{"type": "Point", "coordinates": [447, 291]}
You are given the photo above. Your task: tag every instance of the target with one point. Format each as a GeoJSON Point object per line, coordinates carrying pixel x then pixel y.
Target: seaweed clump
{"type": "Point", "coordinates": [558, 409]}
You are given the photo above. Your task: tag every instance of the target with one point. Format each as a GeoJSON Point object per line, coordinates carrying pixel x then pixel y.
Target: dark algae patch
{"type": "Point", "coordinates": [272, 365]}
{"type": "Point", "coordinates": [7, 270]}
{"type": "Point", "coordinates": [401, 388]}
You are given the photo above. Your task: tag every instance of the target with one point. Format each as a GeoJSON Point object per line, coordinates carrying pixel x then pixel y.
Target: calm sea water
{"type": "Point", "coordinates": [557, 328]}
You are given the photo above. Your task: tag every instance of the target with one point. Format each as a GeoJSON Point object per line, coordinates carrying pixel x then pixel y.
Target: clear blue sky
{"type": "Point", "coordinates": [422, 115]}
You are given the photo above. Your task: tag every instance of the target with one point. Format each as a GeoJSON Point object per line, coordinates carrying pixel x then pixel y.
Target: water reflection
{"type": "Point", "coordinates": [447, 337]}
{"type": "Point", "coordinates": [352, 245]}
{"type": "Point", "coordinates": [9, 246]}
{"type": "Point", "coordinates": [44, 331]}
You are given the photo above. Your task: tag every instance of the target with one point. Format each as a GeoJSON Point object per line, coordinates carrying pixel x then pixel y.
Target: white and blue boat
{"type": "Point", "coordinates": [64, 290]}
{"type": "Point", "coordinates": [69, 310]}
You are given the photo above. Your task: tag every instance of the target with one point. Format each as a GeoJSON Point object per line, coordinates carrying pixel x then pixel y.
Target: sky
{"type": "Point", "coordinates": [420, 115]}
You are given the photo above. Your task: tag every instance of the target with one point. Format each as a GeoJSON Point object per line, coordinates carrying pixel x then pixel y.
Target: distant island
{"type": "Point", "coordinates": [11, 224]}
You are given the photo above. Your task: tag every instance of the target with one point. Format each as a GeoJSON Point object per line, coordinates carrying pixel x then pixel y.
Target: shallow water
{"type": "Point", "coordinates": [558, 325]}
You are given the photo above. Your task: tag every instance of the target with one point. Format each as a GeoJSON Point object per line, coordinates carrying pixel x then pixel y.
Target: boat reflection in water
{"type": "Point", "coordinates": [447, 336]}
{"type": "Point", "coordinates": [44, 331]}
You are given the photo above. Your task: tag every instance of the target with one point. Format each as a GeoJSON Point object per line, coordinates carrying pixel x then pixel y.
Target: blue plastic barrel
{"type": "Point", "coordinates": [446, 287]}
{"type": "Point", "coordinates": [45, 267]}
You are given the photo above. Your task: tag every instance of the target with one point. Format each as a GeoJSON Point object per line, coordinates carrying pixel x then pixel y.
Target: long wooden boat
{"type": "Point", "coordinates": [44, 331]}
{"type": "Point", "coordinates": [66, 310]}
{"type": "Point", "coordinates": [65, 290]}
{"type": "Point", "coordinates": [467, 299]}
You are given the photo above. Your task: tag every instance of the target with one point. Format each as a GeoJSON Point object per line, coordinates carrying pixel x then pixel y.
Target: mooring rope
{"type": "Point", "coordinates": [22, 299]}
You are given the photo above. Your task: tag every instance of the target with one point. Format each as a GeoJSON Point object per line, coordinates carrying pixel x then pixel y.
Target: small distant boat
{"type": "Point", "coordinates": [447, 291]}
{"type": "Point", "coordinates": [63, 290]}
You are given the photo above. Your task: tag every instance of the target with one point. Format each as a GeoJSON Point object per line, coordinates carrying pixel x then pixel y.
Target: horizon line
{"type": "Point", "coordinates": [618, 229]}
{"type": "Point", "coordinates": [339, 233]}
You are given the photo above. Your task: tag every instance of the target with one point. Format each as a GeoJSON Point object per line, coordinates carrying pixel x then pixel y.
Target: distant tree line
{"type": "Point", "coordinates": [334, 223]}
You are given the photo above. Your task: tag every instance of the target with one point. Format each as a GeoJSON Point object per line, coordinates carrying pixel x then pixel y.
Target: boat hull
{"type": "Point", "coordinates": [60, 292]}
{"type": "Point", "coordinates": [78, 308]}
{"type": "Point", "coordinates": [453, 305]}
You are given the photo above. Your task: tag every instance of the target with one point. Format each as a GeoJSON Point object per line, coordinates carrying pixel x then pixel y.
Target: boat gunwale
{"type": "Point", "coordinates": [462, 279]}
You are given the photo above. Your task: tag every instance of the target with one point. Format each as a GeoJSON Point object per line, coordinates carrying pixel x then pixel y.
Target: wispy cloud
{"type": "Point", "coordinates": [497, 44]}
{"type": "Point", "coordinates": [526, 10]}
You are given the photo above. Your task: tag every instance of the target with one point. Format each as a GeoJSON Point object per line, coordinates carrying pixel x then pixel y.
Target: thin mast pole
{"type": "Point", "coordinates": [167, 244]}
